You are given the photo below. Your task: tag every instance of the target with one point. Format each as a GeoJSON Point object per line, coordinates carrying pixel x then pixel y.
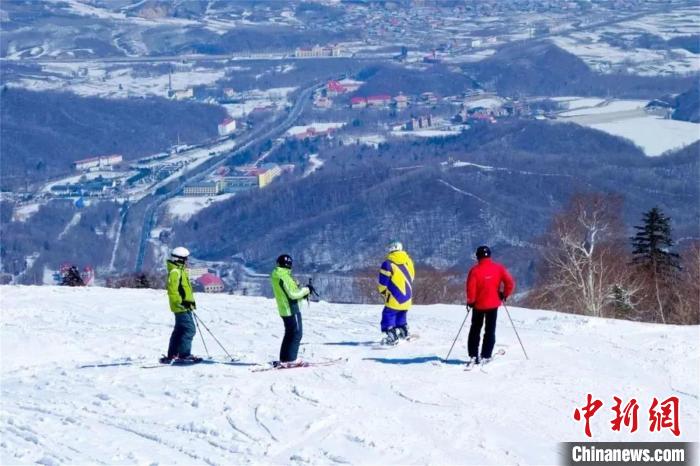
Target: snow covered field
{"type": "Point", "coordinates": [182, 208]}
{"type": "Point", "coordinates": [601, 56]}
{"type": "Point", "coordinates": [628, 119]}
{"type": "Point", "coordinates": [397, 406]}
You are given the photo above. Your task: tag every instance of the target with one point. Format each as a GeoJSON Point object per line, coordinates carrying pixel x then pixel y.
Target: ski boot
{"type": "Point", "coordinates": [287, 364]}
{"type": "Point", "coordinates": [390, 338]}
{"type": "Point", "coordinates": [473, 361]}
{"type": "Point", "coordinates": [402, 332]}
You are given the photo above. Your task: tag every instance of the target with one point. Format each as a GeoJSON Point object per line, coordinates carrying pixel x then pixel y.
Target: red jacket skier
{"type": "Point", "coordinates": [487, 285]}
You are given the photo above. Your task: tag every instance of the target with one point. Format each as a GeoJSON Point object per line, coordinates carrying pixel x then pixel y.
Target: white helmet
{"type": "Point", "coordinates": [180, 253]}
{"type": "Point", "coordinates": [395, 246]}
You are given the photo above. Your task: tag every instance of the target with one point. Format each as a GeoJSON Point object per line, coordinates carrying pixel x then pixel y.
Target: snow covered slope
{"type": "Point", "coordinates": [396, 406]}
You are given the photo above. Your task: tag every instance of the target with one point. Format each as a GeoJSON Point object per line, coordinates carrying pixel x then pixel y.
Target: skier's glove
{"type": "Point", "coordinates": [502, 295]}
{"type": "Point", "coordinates": [189, 305]}
{"type": "Point", "coordinates": [312, 290]}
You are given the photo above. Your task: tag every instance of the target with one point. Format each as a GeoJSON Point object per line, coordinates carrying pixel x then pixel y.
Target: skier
{"type": "Point", "coordinates": [288, 294]}
{"type": "Point", "coordinates": [181, 304]}
{"type": "Point", "coordinates": [484, 296]}
{"type": "Point", "coordinates": [395, 284]}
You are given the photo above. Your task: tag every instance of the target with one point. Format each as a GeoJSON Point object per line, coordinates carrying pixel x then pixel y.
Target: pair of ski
{"type": "Point", "coordinates": [470, 365]}
{"type": "Point", "coordinates": [275, 366]}
{"type": "Point", "coordinates": [189, 362]}
{"type": "Point", "coordinates": [262, 367]}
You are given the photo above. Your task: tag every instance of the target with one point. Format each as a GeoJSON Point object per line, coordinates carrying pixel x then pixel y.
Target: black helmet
{"type": "Point", "coordinates": [285, 260]}
{"type": "Point", "coordinates": [483, 251]}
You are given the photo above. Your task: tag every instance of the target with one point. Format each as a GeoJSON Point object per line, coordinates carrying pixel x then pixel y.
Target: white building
{"type": "Point", "coordinates": [181, 94]}
{"type": "Point", "coordinates": [227, 126]}
{"type": "Point", "coordinates": [98, 163]}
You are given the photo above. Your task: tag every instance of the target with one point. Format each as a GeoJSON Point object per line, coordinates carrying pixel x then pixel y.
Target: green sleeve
{"type": "Point", "coordinates": [291, 289]}
{"type": "Point", "coordinates": [173, 290]}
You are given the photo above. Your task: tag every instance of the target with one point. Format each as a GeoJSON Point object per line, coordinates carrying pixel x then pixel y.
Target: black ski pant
{"type": "Point", "coordinates": [181, 338]}
{"type": "Point", "coordinates": [489, 333]}
{"type": "Point", "coordinates": [292, 336]}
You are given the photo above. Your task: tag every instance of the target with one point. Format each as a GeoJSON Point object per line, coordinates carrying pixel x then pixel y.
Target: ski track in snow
{"type": "Point", "coordinates": [398, 406]}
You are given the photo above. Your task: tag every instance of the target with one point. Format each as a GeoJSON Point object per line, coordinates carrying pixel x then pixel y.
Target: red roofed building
{"type": "Point", "coordinates": [335, 88]}
{"type": "Point", "coordinates": [210, 283]}
{"type": "Point", "coordinates": [378, 100]}
{"type": "Point", "coordinates": [358, 102]}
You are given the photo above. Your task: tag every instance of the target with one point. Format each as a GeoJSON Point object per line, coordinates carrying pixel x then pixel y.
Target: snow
{"type": "Point", "coordinates": [602, 57]}
{"type": "Point", "coordinates": [573, 103]}
{"type": "Point", "coordinates": [73, 222]}
{"type": "Point", "coordinates": [398, 406]}
{"type": "Point", "coordinates": [314, 164]}
{"type": "Point", "coordinates": [488, 102]}
{"type": "Point", "coordinates": [628, 119]}
{"type": "Point", "coordinates": [610, 106]}
{"type": "Point", "coordinates": [427, 133]}
{"type": "Point", "coordinates": [655, 135]}
{"type": "Point", "coordinates": [269, 98]}
{"type": "Point", "coordinates": [182, 208]}
{"type": "Point", "coordinates": [24, 212]}
{"type": "Point", "coordinates": [117, 82]}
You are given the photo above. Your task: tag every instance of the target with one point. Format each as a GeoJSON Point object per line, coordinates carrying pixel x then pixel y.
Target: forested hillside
{"type": "Point", "coordinates": [501, 188]}
{"type": "Point", "coordinates": [44, 132]}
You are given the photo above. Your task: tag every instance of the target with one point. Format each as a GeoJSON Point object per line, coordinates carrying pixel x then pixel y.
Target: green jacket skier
{"type": "Point", "coordinates": [182, 304]}
{"type": "Point", "coordinates": [288, 294]}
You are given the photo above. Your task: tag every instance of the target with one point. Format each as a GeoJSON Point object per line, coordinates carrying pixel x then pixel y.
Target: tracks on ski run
{"type": "Point", "coordinates": [55, 412]}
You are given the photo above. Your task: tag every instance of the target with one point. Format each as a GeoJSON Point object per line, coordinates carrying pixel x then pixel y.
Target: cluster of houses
{"type": "Point", "coordinates": [97, 187]}
{"type": "Point", "coordinates": [486, 108]}
{"type": "Point", "coordinates": [399, 101]}
{"type": "Point", "coordinates": [323, 97]}
{"type": "Point", "coordinates": [233, 181]}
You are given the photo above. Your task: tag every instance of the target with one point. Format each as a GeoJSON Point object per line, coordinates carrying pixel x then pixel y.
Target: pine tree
{"type": "Point", "coordinates": [652, 252]}
{"type": "Point", "coordinates": [652, 243]}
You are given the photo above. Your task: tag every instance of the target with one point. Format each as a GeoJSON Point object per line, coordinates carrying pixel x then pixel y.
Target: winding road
{"type": "Point", "coordinates": [269, 131]}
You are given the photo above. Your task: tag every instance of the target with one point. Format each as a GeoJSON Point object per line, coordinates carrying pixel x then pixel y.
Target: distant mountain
{"type": "Point", "coordinates": [44, 132]}
{"type": "Point", "coordinates": [542, 68]}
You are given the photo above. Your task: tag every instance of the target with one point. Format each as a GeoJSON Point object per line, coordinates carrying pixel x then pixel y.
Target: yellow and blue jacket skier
{"type": "Point", "coordinates": [395, 284]}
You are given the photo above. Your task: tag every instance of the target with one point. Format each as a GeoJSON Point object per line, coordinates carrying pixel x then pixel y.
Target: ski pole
{"type": "Point", "coordinates": [196, 321]}
{"type": "Point", "coordinates": [213, 336]}
{"type": "Point", "coordinates": [516, 331]}
{"type": "Point", "coordinates": [460, 331]}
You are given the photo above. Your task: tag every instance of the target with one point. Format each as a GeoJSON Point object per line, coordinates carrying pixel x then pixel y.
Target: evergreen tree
{"type": "Point", "coordinates": [652, 252]}
{"type": "Point", "coordinates": [652, 244]}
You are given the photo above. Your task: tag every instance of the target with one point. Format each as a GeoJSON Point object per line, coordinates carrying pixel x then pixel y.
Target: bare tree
{"type": "Point", "coordinates": [686, 292]}
{"type": "Point", "coordinates": [582, 260]}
